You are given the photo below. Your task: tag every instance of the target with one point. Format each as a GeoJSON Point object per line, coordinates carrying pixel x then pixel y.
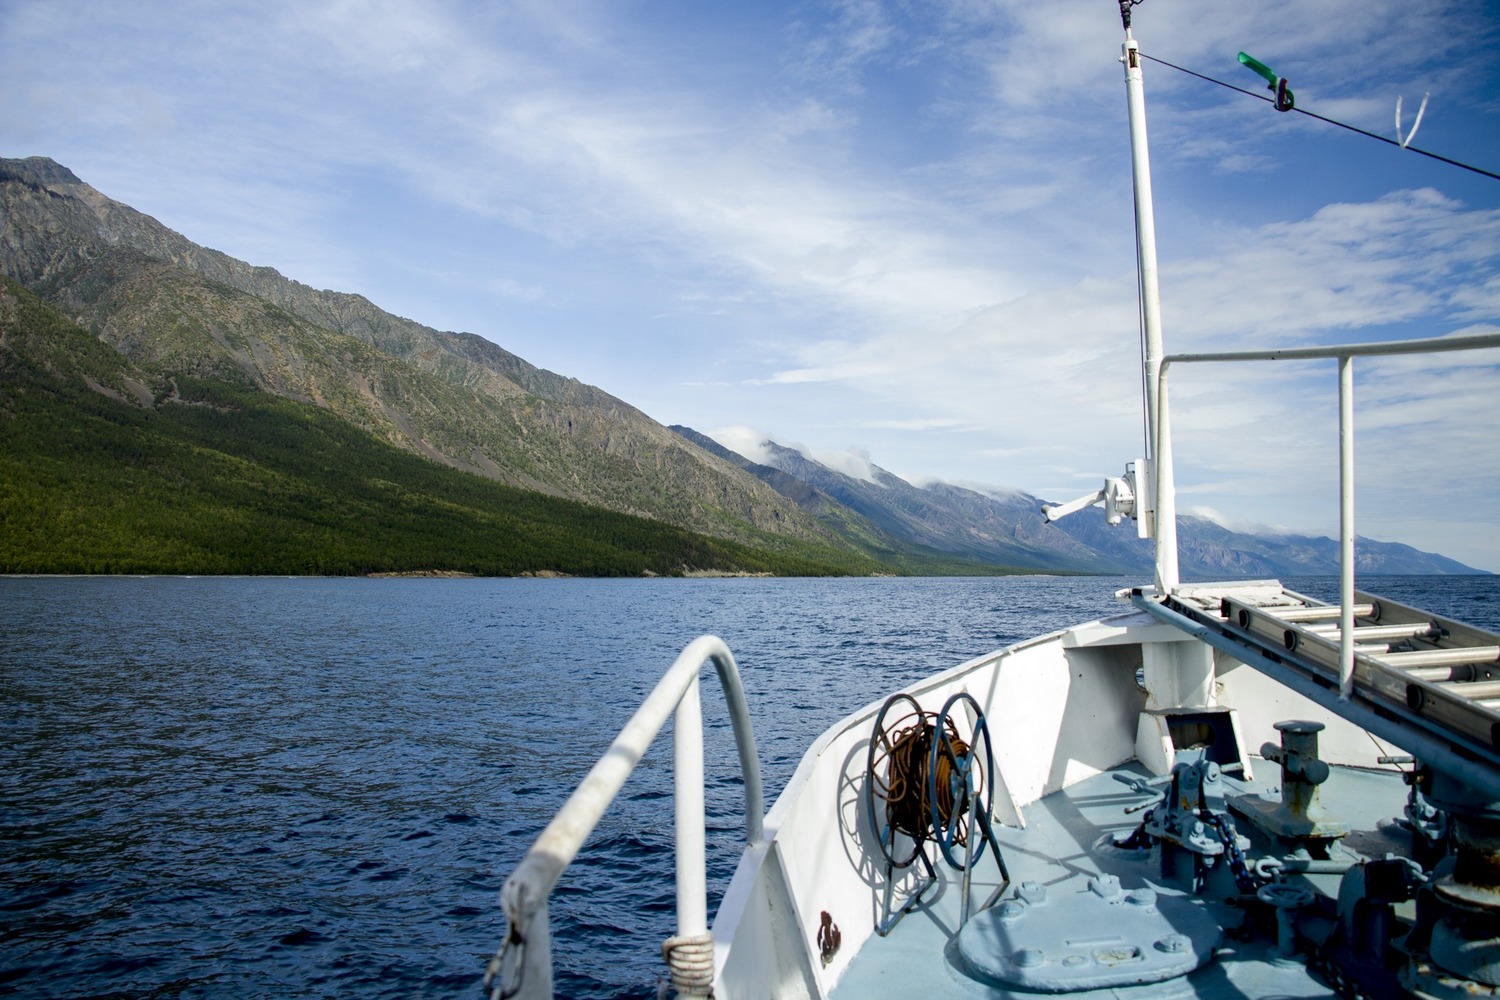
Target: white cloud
{"type": "Point", "coordinates": [920, 424]}
{"type": "Point", "coordinates": [517, 290]}
{"type": "Point", "coordinates": [1002, 493]}
{"type": "Point", "coordinates": [852, 462]}
{"type": "Point", "coordinates": [758, 447]}
{"type": "Point", "coordinates": [746, 441]}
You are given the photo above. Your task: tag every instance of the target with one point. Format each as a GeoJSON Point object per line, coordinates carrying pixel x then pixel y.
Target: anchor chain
{"type": "Point", "coordinates": [1223, 826]}
{"type": "Point", "coordinates": [1344, 985]}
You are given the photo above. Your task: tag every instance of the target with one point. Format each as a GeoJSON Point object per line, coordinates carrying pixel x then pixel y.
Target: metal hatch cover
{"type": "Point", "coordinates": [1067, 938]}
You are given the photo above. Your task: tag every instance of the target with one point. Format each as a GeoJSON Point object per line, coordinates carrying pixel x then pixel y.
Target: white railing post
{"type": "Point", "coordinates": [692, 880]}
{"type": "Point", "coordinates": [1166, 491]}
{"type": "Point", "coordinates": [1346, 526]}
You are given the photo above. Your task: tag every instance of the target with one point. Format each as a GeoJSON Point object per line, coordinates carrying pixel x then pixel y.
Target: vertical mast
{"type": "Point", "coordinates": [1158, 444]}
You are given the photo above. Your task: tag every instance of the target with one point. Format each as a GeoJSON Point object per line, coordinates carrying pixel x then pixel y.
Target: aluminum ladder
{"type": "Point", "coordinates": [1419, 679]}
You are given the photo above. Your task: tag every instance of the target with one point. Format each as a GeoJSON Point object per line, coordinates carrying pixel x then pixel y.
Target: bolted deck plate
{"type": "Point", "coordinates": [1087, 935]}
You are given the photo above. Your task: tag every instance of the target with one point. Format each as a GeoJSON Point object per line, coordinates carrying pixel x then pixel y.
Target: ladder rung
{"type": "Point", "coordinates": [1365, 633]}
{"type": "Point", "coordinates": [1452, 672]}
{"type": "Point", "coordinates": [1315, 614]}
{"type": "Point", "coordinates": [1439, 657]}
{"type": "Point", "coordinates": [1473, 690]}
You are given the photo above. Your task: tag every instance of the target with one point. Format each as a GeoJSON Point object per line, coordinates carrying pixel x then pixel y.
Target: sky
{"type": "Point", "coordinates": [891, 232]}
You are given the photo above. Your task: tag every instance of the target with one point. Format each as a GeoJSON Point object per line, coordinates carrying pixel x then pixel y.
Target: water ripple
{"type": "Point", "coordinates": [300, 788]}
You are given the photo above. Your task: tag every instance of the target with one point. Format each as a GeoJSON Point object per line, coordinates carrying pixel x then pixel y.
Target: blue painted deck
{"type": "Point", "coordinates": [919, 958]}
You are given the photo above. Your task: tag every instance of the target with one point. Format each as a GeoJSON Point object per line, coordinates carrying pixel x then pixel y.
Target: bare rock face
{"type": "Point", "coordinates": [170, 305]}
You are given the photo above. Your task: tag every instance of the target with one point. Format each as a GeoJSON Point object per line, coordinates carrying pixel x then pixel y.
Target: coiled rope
{"type": "Point", "coordinates": [691, 959]}
{"type": "Point", "coordinates": [908, 807]}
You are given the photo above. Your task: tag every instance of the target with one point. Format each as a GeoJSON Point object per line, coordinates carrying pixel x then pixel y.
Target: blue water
{"type": "Point", "coordinates": [303, 787]}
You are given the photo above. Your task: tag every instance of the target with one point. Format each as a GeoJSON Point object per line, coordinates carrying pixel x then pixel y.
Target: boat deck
{"type": "Point", "coordinates": [1064, 845]}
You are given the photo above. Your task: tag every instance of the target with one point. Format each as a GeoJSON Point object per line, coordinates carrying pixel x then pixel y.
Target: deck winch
{"type": "Point", "coordinates": [1460, 921]}
{"type": "Point", "coordinates": [1190, 825]}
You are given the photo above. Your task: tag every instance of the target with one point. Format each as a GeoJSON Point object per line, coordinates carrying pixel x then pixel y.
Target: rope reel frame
{"type": "Point", "coordinates": [967, 791]}
{"type": "Point", "coordinates": [878, 782]}
{"type": "Point", "coordinates": [943, 753]}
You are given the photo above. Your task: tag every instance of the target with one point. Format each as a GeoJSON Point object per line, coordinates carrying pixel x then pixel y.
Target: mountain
{"type": "Point", "coordinates": [1005, 530]}
{"type": "Point", "coordinates": [1209, 544]}
{"type": "Point", "coordinates": [170, 306]}
{"type": "Point", "coordinates": [1007, 527]}
{"type": "Point", "coordinates": [106, 467]}
{"type": "Point", "coordinates": [891, 544]}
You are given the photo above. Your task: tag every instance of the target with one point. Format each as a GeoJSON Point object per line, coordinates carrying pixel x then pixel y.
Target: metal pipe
{"type": "Point", "coordinates": [1345, 353]}
{"type": "Point", "coordinates": [1320, 613]}
{"type": "Point", "coordinates": [1366, 633]}
{"type": "Point", "coordinates": [1473, 690]}
{"type": "Point", "coordinates": [1166, 494]}
{"type": "Point", "coordinates": [687, 753]}
{"type": "Point", "coordinates": [1346, 526]}
{"type": "Point", "coordinates": [1457, 656]}
{"type": "Point", "coordinates": [1271, 867]}
{"type": "Point", "coordinates": [1452, 672]}
{"type": "Point", "coordinates": [1429, 345]}
{"type": "Point", "coordinates": [1158, 449]}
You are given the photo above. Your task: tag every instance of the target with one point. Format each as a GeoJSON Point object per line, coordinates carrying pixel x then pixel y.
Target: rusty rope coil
{"type": "Point", "coordinates": [908, 808]}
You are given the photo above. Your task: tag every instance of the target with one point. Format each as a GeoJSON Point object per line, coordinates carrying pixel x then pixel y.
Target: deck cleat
{"type": "Point", "coordinates": [1297, 816]}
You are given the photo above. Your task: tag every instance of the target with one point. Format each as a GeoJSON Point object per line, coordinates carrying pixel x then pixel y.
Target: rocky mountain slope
{"type": "Point", "coordinates": [170, 305]}
{"type": "Point", "coordinates": [1006, 530]}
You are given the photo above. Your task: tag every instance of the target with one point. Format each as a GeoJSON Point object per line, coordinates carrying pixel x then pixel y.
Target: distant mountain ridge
{"type": "Point", "coordinates": [1009, 529]}
{"type": "Point", "coordinates": [179, 311]}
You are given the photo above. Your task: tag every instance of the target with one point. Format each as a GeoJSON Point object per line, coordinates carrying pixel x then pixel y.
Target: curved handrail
{"type": "Point", "coordinates": [523, 966]}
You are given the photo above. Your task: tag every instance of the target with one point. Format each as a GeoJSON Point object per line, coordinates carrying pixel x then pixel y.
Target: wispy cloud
{"type": "Point", "coordinates": [761, 447]}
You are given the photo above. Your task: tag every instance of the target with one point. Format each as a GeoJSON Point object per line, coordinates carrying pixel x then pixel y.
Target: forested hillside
{"type": "Point", "coordinates": [170, 305]}
{"type": "Point", "coordinates": [106, 468]}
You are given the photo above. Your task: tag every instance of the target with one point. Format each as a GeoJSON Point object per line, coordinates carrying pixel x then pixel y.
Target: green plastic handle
{"type": "Point", "coordinates": [1251, 63]}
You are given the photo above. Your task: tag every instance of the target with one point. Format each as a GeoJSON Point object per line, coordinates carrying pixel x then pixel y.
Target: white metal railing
{"type": "Point", "coordinates": [523, 965]}
{"type": "Point", "coordinates": [1166, 509]}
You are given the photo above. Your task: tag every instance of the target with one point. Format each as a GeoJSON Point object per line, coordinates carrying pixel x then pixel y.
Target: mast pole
{"type": "Point", "coordinates": [1158, 448]}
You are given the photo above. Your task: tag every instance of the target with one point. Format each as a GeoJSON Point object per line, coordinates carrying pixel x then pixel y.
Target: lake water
{"type": "Point", "coordinates": [308, 787]}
